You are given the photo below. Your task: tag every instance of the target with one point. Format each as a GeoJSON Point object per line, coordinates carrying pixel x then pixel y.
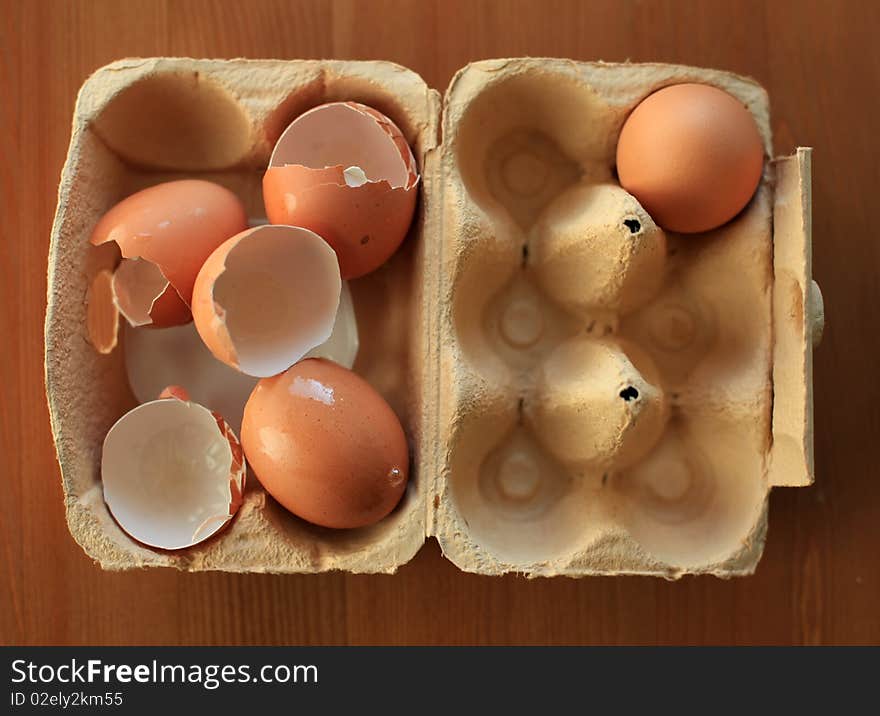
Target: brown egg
{"type": "Point", "coordinates": [165, 233]}
{"type": "Point", "coordinates": [344, 171]}
{"type": "Point", "coordinates": [326, 445]}
{"type": "Point", "coordinates": [692, 155]}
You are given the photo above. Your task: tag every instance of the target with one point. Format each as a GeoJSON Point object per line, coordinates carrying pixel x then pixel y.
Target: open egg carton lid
{"type": "Point", "coordinates": [742, 293]}
{"type": "Point", "coordinates": [219, 121]}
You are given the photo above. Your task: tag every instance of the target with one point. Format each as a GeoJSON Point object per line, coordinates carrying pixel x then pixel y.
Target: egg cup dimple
{"type": "Point", "coordinates": [637, 367]}
{"type": "Point", "coordinates": [582, 393]}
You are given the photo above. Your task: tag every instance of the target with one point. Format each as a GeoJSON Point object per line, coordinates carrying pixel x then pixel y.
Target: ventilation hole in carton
{"type": "Point", "coordinates": [634, 225]}
{"type": "Point", "coordinates": [578, 411]}
{"type": "Point", "coordinates": [629, 393]}
{"type": "Point", "coordinates": [586, 258]}
{"type": "Point", "coordinates": [525, 255]}
{"type": "Point", "coordinates": [175, 121]}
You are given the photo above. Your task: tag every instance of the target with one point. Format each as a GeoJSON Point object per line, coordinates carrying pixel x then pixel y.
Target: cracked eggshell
{"type": "Point", "coordinates": [326, 445]}
{"type": "Point", "coordinates": [145, 297]}
{"type": "Point", "coordinates": [173, 473]}
{"type": "Point", "coordinates": [342, 345]}
{"type": "Point", "coordinates": [171, 228]}
{"type": "Point", "coordinates": [266, 297]}
{"type": "Point", "coordinates": [177, 356]}
{"type": "Point", "coordinates": [346, 172]}
{"type": "Point", "coordinates": [159, 357]}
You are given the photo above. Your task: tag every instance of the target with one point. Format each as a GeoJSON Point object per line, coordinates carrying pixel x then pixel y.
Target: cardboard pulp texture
{"type": "Point", "coordinates": [562, 418]}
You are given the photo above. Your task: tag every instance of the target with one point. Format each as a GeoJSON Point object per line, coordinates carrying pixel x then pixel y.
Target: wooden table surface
{"type": "Point", "coordinates": [819, 581]}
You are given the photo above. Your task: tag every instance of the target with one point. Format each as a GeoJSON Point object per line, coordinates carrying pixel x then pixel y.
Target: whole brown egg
{"type": "Point", "coordinates": [692, 155]}
{"type": "Point", "coordinates": [326, 445]}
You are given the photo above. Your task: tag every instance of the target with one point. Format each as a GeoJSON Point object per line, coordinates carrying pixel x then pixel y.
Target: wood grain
{"type": "Point", "coordinates": [819, 581]}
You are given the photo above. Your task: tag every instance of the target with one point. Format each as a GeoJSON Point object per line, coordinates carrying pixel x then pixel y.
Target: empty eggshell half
{"type": "Point", "coordinates": [165, 233]}
{"type": "Point", "coordinates": [160, 357]}
{"type": "Point", "coordinates": [346, 172]}
{"type": "Point", "coordinates": [173, 473]}
{"type": "Point", "coordinates": [266, 297]}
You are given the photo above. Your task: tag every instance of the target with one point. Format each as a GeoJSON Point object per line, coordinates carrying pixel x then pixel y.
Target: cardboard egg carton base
{"type": "Point", "coordinates": [457, 330]}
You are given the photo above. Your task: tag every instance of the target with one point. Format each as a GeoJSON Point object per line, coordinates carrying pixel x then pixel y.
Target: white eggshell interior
{"type": "Point", "coordinates": [278, 296]}
{"type": "Point", "coordinates": [166, 468]}
{"type": "Point", "coordinates": [158, 357]}
{"type": "Point", "coordinates": [342, 345]}
{"type": "Point", "coordinates": [137, 285]}
{"type": "Point", "coordinates": [342, 135]}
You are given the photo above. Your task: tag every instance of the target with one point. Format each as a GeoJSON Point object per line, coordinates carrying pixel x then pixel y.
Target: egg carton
{"type": "Point", "coordinates": [499, 388]}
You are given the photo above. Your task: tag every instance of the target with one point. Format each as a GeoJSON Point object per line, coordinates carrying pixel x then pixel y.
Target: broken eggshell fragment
{"type": "Point", "coordinates": [158, 357]}
{"type": "Point", "coordinates": [175, 391]}
{"type": "Point", "coordinates": [342, 345]}
{"type": "Point", "coordinates": [145, 297]}
{"type": "Point", "coordinates": [173, 473]}
{"type": "Point", "coordinates": [346, 172]}
{"type": "Point", "coordinates": [165, 233]}
{"type": "Point", "coordinates": [266, 297]}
